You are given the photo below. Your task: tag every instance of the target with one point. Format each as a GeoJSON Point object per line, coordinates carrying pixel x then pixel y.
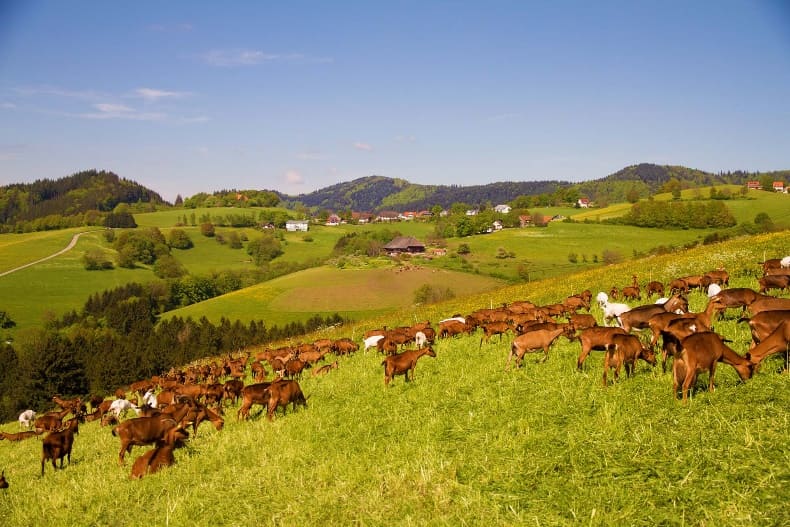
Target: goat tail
{"type": "Point", "coordinates": [744, 319]}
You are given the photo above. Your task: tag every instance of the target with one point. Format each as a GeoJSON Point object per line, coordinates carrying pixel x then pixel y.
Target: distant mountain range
{"type": "Point", "coordinates": [101, 191]}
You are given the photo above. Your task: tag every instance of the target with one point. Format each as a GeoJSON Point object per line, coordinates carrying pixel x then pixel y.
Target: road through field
{"type": "Point", "coordinates": [70, 246]}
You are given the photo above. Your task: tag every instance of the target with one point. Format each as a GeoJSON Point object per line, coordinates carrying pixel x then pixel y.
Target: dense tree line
{"type": "Point", "coordinates": [116, 340]}
{"type": "Point", "coordinates": [233, 198]}
{"type": "Point", "coordinates": [684, 215]}
{"type": "Point", "coordinates": [74, 200]}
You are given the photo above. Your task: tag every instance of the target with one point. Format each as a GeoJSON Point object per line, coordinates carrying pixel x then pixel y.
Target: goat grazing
{"type": "Point", "coordinates": [624, 350]}
{"type": "Point", "coordinates": [699, 353]}
{"type": "Point", "coordinates": [404, 363]}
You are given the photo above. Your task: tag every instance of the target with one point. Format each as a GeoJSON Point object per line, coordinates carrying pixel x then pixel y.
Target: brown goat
{"type": "Point", "coordinates": [655, 288]}
{"type": "Point", "coordinates": [659, 322]}
{"type": "Point", "coordinates": [624, 350]}
{"type": "Point", "coordinates": [596, 338]}
{"type": "Point", "coordinates": [490, 329]}
{"type": "Point", "coordinates": [736, 297]}
{"type": "Point", "coordinates": [777, 342]}
{"type": "Point", "coordinates": [404, 363]}
{"type": "Point", "coordinates": [19, 436]}
{"type": "Point", "coordinates": [768, 303]}
{"type": "Point", "coordinates": [700, 352]}
{"type": "Point", "coordinates": [323, 370]}
{"type": "Point", "coordinates": [281, 393]}
{"type": "Point", "coordinates": [763, 324]}
{"type": "Point", "coordinates": [252, 394]}
{"type": "Point", "coordinates": [532, 341]}
{"type": "Point", "coordinates": [639, 317]}
{"type": "Point", "coordinates": [57, 445]}
{"type": "Point", "coordinates": [774, 281]}
{"type": "Point", "coordinates": [141, 431]}
{"type": "Point", "coordinates": [161, 455]}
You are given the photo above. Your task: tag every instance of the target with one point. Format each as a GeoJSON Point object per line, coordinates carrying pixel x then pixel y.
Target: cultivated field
{"type": "Point", "coordinates": [466, 443]}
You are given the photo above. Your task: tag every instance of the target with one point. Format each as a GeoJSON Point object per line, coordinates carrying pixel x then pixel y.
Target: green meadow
{"type": "Point", "coordinates": [775, 204]}
{"type": "Point", "coordinates": [469, 442]}
{"type": "Point", "coordinates": [54, 287]}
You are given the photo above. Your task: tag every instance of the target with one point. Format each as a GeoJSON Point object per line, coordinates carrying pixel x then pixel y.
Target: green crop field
{"type": "Point", "coordinates": [469, 442]}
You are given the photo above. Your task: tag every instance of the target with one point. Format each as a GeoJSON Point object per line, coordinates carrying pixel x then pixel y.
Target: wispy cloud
{"type": "Point", "coordinates": [120, 111]}
{"type": "Point", "coordinates": [363, 146]}
{"type": "Point", "coordinates": [251, 57]}
{"type": "Point", "coordinates": [153, 95]}
{"type": "Point", "coordinates": [104, 106]}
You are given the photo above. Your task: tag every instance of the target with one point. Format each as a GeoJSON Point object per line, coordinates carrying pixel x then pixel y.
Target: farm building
{"type": "Point", "coordinates": [779, 186]}
{"type": "Point", "coordinates": [296, 225]}
{"type": "Point", "coordinates": [753, 185]}
{"type": "Point", "coordinates": [405, 244]}
{"type": "Point", "coordinates": [503, 209]}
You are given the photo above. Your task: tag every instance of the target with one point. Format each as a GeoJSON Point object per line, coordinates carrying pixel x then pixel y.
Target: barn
{"type": "Point", "coordinates": [405, 244]}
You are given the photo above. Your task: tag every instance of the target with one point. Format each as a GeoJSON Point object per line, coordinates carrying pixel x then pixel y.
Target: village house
{"type": "Point", "coordinates": [407, 215]}
{"type": "Point", "coordinates": [333, 220]}
{"type": "Point", "coordinates": [753, 185]}
{"type": "Point", "coordinates": [497, 225]}
{"type": "Point", "coordinates": [584, 203]}
{"type": "Point", "coordinates": [296, 225]}
{"type": "Point", "coordinates": [525, 220]}
{"type": "Point", "coordinates": [387, 216]}
{"type": "Point", "coordinates": [405, 244]}
{"type": "Point", "coordinates": [503, 209]}
{"type": "Point", "coordinates": [779, 186]}
{"type": "Point", "coordinates": [361, 217]}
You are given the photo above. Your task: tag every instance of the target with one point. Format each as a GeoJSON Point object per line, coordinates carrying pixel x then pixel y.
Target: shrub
{"type": "Point", "coordinates": [179, 239]}
{"type": "Point", "coordinates": [96, 260]}
{"type": "Point", "coordinates": [207, 229]}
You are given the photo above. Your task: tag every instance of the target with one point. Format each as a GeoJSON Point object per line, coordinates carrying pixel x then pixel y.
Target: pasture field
{"type": "Point", "coordinates": [54, 287]}
{"type": "Point", "coordinates": [775, 204]}
{"type": "Point", "coordinates": [469, 442]}
{"type": "Point", "coordinates": [20, 249]}
{"type": "Point", "coordinates": [353, 293]}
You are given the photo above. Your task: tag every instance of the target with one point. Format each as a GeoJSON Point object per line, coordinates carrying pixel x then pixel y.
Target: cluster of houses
{"type": "Point", "coordinates": [778, 186]}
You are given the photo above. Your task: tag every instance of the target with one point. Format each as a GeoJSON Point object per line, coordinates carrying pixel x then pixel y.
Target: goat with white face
{"type": "Point", "coordinates": [611, 310]}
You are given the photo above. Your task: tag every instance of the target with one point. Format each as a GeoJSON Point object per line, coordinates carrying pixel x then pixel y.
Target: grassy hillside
{"type": "Point", "coordinates": [775, 204]}
{"type": "Point", "coordinates": [353, 293]}
{"type": "Point", "coordinates": [468, 442]}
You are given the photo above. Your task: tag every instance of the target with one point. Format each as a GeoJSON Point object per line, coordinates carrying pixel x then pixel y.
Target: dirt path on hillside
{"type": "Point", "coordinates": [69, 247]}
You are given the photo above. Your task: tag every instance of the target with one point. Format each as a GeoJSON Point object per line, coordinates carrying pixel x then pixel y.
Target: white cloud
{"type": "Point", "coordinates": [294, 177]}
{"type": "Point", "coordinates": [120, 111]}
{"type": "Point", "coordinates": [8, 106]}
{"type": "Point", "coordinates": [251, 57]}
{"type": "Point", "coordinates": [363, 146]}
{"type": "Point", "coordinates": [152, 95]}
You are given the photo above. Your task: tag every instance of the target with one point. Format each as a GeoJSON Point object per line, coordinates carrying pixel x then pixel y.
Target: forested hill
{"type": "Point", "coordinates": [378, 192]}
{"type": "Point", "coordinates": [375, 193]}
{"type": "Point", "coordinates": [75, 195]}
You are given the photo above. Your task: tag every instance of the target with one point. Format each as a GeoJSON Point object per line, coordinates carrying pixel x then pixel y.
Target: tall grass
{"type": "Point", "coordinates": [466, 443]}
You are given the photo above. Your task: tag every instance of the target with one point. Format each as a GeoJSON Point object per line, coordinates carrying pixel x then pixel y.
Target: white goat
{"type": "Point", "coordinates": [26, 419]}
{"type": "Point", "coordinates": [121, 406]}
{"type": "Point", "coordinates": [785, 262]}
{"type": "Point", "coordinates": [611, 310]}
{"type": "Point", "coordinates": [420, 339]}
{"type": "Point", "coordinates": [150, 399]}
{"type": "Point", "coordinates": [713, 290]}
{"type": "Point", "coordinates": [371, 342]}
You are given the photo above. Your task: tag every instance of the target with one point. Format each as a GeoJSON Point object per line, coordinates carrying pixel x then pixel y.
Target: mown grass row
{"type": "Point", "coordinates": [466, 443]}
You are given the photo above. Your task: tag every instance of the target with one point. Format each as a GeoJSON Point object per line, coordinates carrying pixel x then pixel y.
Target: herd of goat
{"type": "Point", "coordinates": [165, 406]}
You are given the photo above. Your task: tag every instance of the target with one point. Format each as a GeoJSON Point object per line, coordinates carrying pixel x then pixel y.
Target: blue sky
{"type": "Point", "coordinates": [185, 97]}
